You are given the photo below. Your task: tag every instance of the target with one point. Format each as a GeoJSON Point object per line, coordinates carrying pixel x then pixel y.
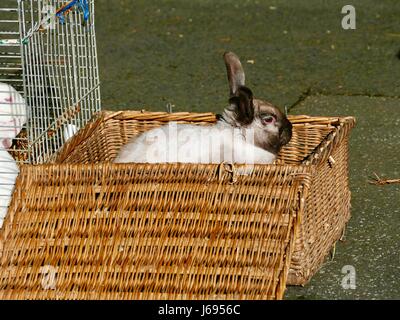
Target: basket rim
{"type": "Point", "coordinates": [324, 150]}
{"type": "Point", "coordinates": [341, 127]}
{"type": "Point", "coordinates": [210, 117]}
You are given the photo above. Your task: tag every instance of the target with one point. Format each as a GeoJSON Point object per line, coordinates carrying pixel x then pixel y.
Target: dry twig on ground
{"type": "Point", "coordinates": [381, 182]}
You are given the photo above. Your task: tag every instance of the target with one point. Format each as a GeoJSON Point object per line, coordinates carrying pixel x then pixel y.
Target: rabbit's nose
{"type": "Point", "coordinates": [7, 143]}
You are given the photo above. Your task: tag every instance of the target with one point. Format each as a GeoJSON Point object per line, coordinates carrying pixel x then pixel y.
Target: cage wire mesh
{"type": "Point", "coordinates": [49, 81]}
{"type": "Point", "coordinates": [61, 79]}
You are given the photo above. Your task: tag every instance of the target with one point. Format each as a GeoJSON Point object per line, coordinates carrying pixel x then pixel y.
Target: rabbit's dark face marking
{"type": "Point", "coordinates": [271, 128]}
{"type": "Point", "coordinates": [243, 106]}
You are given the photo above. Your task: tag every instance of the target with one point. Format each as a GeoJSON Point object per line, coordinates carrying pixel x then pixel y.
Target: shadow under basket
{"type": "Point", "coordinates": [86, 228]}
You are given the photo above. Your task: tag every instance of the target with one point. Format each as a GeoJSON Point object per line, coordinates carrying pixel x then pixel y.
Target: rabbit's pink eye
{"type": "Point", "coordinates": [268, 120]}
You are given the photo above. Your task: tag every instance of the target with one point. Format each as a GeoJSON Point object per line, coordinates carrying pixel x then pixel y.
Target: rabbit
{"type": "Point", "coordinates": [249, 131]}
{"type": "Point", "coordinates": [12, 114]}
{"type": "Point", "coordinates": [8, 174]}
{"type": "Point", "coordinates": [12, 119]}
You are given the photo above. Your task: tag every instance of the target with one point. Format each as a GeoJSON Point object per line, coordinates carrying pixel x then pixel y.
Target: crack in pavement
{"type": "Point", "coordinates": [310, 92]}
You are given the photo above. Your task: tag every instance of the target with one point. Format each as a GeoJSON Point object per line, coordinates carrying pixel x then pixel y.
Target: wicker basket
{"type": "Point", "coordinates": [320, 143]}
{"type": "Point", "coordinates": [84, 228]}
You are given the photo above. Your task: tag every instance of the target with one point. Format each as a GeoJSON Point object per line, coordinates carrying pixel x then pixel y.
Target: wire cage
{"type": "Point", "coordinates": [61, 78]}
{"type": "Point", "coordinates": [49, 81]}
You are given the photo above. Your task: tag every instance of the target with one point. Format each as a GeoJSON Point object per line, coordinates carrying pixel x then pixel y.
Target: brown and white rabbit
{"type": "Point", "coordinates": [250, 131]}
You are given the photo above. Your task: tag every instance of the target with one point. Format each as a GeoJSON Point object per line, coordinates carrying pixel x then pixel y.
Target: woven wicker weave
{"type": "Point", "coordinates": [176, 231]}
{"type": "Point", "coordinates": [328, 204]}
{"type": "Point", "coordinates": [150, 232]}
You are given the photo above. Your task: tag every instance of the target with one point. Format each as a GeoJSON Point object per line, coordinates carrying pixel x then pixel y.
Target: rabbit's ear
{"type": "Point", "coordinates": [243, 106]}
{"type": "Point", "coordinates": [235, 72]}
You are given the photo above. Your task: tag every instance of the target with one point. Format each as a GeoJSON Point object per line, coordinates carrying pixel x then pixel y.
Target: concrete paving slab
{"type": "Point", "coordinates": [155, 52]}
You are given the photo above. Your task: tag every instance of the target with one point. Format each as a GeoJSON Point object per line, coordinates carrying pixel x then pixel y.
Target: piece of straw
{"type": "Point", "coordinates": [381, 182]}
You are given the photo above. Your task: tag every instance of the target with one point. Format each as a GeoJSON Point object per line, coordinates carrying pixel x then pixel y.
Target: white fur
{"type": "Point", "coordinates": [69, 131]}
{"type": "Point", "coordinates": [8, 174]}
{"type": "Point", "coordinates": [12, 119]}
{"type": "Point", "coordinates": [185, 143]}
{"type": "Point", "coordinates": [12, 114]}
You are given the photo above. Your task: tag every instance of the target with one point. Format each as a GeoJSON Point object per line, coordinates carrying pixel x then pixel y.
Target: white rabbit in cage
{"type": "Point", "coordinates": [12, 114]}
{"type": "Point", "coordinates": [8, 175]}
{"type": "Point", "coordinates": [12, 119]}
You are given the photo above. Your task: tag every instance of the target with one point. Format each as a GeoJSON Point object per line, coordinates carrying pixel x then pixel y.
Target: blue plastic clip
{"type": "Point", "coordinates": [83, 5]}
